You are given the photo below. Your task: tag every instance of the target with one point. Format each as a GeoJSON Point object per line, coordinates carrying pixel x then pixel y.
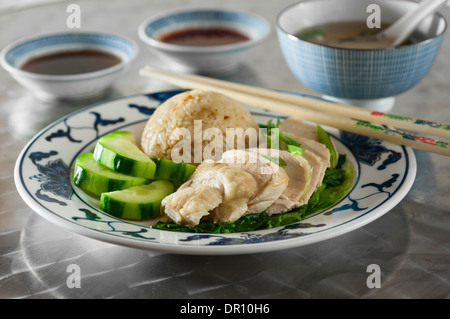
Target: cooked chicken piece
{"type": "Point", "coordinates": [319, 167]}
{"type": "Point", "coordinates": [299, 172]}
{"type": "Point", "coordinates": [318, 149]}
{"type": "Point", "coordinates": [298, 128]}
{"type": "Point", "coordinates": [306, 135]}
{"type": "Point", "coordinates": [270, 178]}
{"type": "Point", "coordinates": [235, 186]}
{"type": "Point", "coordinates": [189, 205]}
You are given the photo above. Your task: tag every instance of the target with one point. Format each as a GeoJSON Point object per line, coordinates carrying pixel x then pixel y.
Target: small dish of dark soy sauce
{"type": "Point", "coordinates": [71, 62]}
{"type": "Point", "coordinates": [68, 66]}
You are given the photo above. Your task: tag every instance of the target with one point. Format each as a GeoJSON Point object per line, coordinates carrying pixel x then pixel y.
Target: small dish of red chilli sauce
{"type": "Point", "coordinates": [203, 41]}
{"type": "Point", "coordinates": [203, 36]}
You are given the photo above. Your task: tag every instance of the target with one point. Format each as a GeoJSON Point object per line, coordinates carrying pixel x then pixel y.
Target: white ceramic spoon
{"type": "Point", "coordinates": [402, 29]}
{"type": "Point", "coordinates": [399, 31]}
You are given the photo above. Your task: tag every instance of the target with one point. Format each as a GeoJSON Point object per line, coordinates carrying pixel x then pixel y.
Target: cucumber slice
{"type": "Point", "coordinates": [119, 152]}
{"type": "Point", "coordinates": [138, 202]}
{"type": "Point", "coordinates": [325, 139]}
{"type": "Point", "coordinates": [173, 171]}
{"type": "Point", "coordinates": [95, 178]}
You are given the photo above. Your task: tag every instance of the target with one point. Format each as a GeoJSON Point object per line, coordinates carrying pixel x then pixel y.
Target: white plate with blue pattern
{"type": "Point", "coordinates": [384, 175]}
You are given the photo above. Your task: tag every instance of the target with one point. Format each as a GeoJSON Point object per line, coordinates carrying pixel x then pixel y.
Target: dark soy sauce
{"type": "Point", "coordinates": [71, 62]}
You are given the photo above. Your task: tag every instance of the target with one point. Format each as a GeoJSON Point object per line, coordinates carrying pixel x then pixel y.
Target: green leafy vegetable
{"type": "Point", "coordinates": [272, 136]}
{"type": "Point", "coordinates": [288, 140]}
{"type": "Point", "coordinates": [333, 193]}
{"type": "Point", "coordinates": [325, 139]}
{"type": "Point", "coordinates": [341, 160]}
{"type": "Point", "coordinates": [367, 32]}
{"type": "Point", "coordinates": [311, 33]}
{"type": "Point", "coordinates": [295, 150]}
{"type": "Point", "coordinates": [276, 138]}
{"type": "Point", "coordinates": [277, 160]}
{"type": "Point", "coordinates": [336, 176]}
{"type": "Point", "coordinates": [270, 125]}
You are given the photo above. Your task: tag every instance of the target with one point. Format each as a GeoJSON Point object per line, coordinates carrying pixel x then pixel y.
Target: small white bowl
{"type": "Point", "coordinates": [67, 87]}
{"type": "Point", "coordinates": [208, 60]}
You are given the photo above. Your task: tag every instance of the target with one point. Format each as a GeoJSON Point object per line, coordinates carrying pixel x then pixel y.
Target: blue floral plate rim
{"type": "Point", "coordinates": [385, 173]}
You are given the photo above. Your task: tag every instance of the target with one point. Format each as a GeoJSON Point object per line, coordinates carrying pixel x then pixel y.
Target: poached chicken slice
{"type": "Point", "coordinates": [306, 135]}
{"type": "Point", "coordinates": [230, 189]}
{"type": "Point", "coordinates": [319, 167]}
{"type": "Point", "coordinates": [299, 128]}
{"type": "Point", "coordinates": [270, 178]}
{"type": "Point", "coordinates": [299, 172]}
{"type": "Point", "coordinates": [189, 205]}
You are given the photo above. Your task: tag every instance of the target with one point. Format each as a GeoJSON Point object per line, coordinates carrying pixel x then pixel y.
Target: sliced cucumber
{"type": "Point", "coordinates": [95, 178]}
{"type": "Point", "coordinates": [119, 152]}
{"type": "Point", "coordinates": [325, 139]}
{"type": "Point", "coordinates": [138, 202]}
{"type": "Point", "coordinates": [173, 171]}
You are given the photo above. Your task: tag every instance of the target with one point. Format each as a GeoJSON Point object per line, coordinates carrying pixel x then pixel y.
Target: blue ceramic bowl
{"type": "Point", "coordinates": [211, 60]}
{"type": "Point", "coordinates": [356, 75]}
{"type": "Point", "coordinates": [67, 87]}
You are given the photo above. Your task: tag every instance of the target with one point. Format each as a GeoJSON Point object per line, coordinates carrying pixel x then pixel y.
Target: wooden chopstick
{"type": "Point", "coordinates": [401, 122]}
{"type": "Point", "coordinates": [339, 121]}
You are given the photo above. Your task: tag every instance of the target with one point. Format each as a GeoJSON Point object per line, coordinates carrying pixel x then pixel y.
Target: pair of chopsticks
{"type": "Point", "coordinates": [395, 129]}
